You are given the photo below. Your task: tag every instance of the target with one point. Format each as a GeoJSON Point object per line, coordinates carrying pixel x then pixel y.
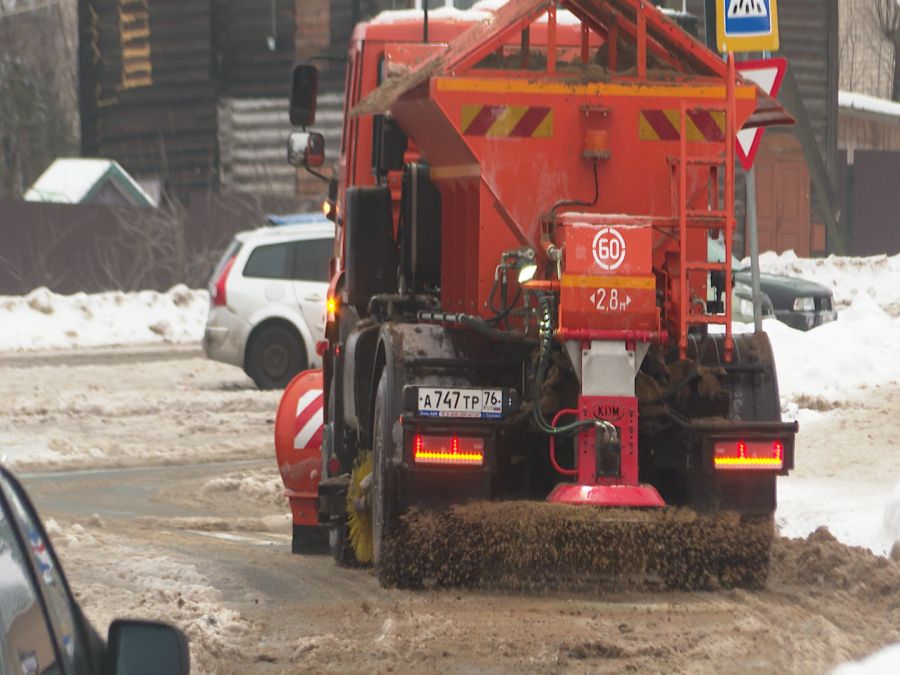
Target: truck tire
{"type": "Point", "coordinates": [754, 398]}
{"type": "Point", "coordinates": [274, 356]}
{"type": "Point", "coordinates": [384, 501]}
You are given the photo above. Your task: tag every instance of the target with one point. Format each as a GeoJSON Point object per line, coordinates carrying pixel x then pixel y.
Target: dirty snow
{"type": "Point", "coordinates": [831, 380]}
{"type": "Point", "coordinates": [140, 408]}
{"type": "Point", "coordinates": [885, 662]}
{"type": "Point", "coordinates": [153, 583]}
{"type": "Point", "coordinates": [265, 486]}
{"type": "Point", "coordinates": [839, 380]}
{"type": "Point", "coordinates": [46, 320]}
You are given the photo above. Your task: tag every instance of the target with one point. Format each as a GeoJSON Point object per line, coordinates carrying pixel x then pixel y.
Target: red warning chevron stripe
{"type": "Point", "coordinates": [507, 121]}
{"type": "Point", "coordinates": [662, 125]}
{"type": "Point", "coordinates": [308, 424]}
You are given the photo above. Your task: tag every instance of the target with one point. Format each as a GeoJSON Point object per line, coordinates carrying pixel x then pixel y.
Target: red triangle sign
{"type": "Point", "coordinates": [768, 75]}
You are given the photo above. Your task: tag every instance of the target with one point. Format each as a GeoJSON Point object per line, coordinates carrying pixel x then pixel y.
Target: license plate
{"type": "Point", "coordinates": [460, 402]}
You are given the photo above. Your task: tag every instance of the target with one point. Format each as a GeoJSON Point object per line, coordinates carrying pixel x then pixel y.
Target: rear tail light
{"type": "Point", "coordinates": [749, 455]}
{"type": "Point", "coordinates": [448, 450]}
{"type": "Point", "coordinates": [219, 299]}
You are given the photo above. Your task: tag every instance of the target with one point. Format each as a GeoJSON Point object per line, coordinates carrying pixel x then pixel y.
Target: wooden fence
{"type": "Point", "coordinates": [72, 248]}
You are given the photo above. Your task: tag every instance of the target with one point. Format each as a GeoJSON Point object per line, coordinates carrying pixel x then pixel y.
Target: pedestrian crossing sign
{"type": "Point", "coordinates": [747, 25]}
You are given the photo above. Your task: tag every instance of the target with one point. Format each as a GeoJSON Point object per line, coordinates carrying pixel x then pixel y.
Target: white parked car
{"type": "Point", "coordinates": [267, 301]}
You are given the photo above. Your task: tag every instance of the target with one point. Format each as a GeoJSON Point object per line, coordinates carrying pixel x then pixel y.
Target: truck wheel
{"type": "Point", "coordinates": [274, 357]}
{"type": "Point", "coordinates": [384, 501]}
{"type": "Point", "coordinates": [754, 398]}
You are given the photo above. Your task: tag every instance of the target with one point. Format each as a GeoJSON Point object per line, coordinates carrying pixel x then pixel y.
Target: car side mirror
{"type": "Point", "coordinates": [146, 648]}
{"type": "Point", "coordinates": [304, 89]}
{"type": "Point", "coordinates": [306, 148]}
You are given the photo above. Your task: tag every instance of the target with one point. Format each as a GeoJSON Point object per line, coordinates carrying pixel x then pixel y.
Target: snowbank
{"type": "Point", "coordinates": [830, 361]}
{"type": "Point", "coordinates": [875, 276]}
{"type": "Point", "coordinates": [119, 578]}
{"type": "Point", "coordinates": [885, 662]}
{"type": "Point", "coordinates": [263, 486]}
{"type": "Point", "coordinates": [826, 364]}
{"type": "Point", "coordinates": [891, 525]}
{"type": "Point", "coordinates": [45, 320]}
{"type": "Point", "coordinates": [858, 512]}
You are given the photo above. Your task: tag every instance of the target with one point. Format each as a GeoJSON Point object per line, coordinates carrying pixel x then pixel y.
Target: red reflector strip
{"type": "Point", "coordinates": [749, 455]}
{"type": "Point", "coordinates": [455, 450]}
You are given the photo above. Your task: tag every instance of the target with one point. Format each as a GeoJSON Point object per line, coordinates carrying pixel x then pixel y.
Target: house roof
{"type": "Point", "coordinates": [850, 100]}
{"type": "Point", "coordinates": [77, 180]}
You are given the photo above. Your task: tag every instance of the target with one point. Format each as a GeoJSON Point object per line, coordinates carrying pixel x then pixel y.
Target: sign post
{"type": "Point", "coordinates": [767, 74]}
{"type": "Point", "coordinates": [751, 26]}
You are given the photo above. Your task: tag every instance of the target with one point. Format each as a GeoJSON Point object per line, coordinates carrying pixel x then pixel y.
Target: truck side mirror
{"type": "Point", "coordinates": [304, 88]}
{"type": "Point", "coordinates": [306, 148]}
{"type": "Point", "coordinates": [147, 647]}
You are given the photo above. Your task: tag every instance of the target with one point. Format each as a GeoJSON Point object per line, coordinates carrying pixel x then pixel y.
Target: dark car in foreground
{"type": "Point", "coordinates": [42, 628]}
{"type": "Point", "coordinates": [799, 303]}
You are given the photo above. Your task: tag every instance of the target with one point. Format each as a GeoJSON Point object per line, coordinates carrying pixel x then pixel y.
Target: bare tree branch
{"type": "Point", "coordinates": [887, 17]}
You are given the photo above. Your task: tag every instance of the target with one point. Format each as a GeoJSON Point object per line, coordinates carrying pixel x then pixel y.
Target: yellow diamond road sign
{"type": "Point", "coordinates": [747, 25]}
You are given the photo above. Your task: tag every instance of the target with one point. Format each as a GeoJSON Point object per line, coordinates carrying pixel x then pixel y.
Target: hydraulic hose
{"type": "Point", "coordinates": [473, 322]}
{"type": "Point", "coordinates": [673, 389]}
{"type": "Point", "coordinates": [546, 307]}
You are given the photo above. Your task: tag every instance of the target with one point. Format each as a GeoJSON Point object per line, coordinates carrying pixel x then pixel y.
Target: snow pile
{"type": "Point", "coordinates": [127, 581]}
{"type": "Point", "coordinates": [478, 12]}
{"type": "Point", "coordinates": [885, 662]}
{"type": "Point", "coordinates": [45, 320]}
{"type": "Point", "coordinates": [830, 361]}
{"type": "Point", "coordinates": [262, 486]}
{"type": "Point", "coordinates": [891, 524]}
{"type": "Point", "coordinates": [837, 381]}
{"type": "Point", "coordinates": [818, 368]}
{"type": "Point", "coordinates": [875, 276]}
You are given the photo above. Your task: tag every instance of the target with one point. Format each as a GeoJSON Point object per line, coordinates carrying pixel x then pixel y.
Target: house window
{"type": "Point", "coordinates": [134, 33]}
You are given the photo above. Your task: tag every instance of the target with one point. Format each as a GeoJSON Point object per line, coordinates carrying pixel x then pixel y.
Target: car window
{"type": "Point", "coordinates": [312, 258]}
{"type": "Point", "coordinates": [271, 261]}
{"type": "Point", "coordinates": [25, 639]}
{"type": "Point", "coordinates": [53, 587]}
{"type": "Point", "coordinates": [715, 249]}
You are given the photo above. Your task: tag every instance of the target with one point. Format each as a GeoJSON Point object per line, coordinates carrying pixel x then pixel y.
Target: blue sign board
{"type": "Point", "coordinates": [747, 25]}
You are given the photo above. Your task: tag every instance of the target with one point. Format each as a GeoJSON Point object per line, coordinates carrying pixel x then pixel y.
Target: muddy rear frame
{"type": "Point", "coordinates": [676, 448]}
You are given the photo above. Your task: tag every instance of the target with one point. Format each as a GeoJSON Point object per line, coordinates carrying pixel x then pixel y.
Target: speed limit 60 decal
{"type": "Point", "coordinates": [609, 249]}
